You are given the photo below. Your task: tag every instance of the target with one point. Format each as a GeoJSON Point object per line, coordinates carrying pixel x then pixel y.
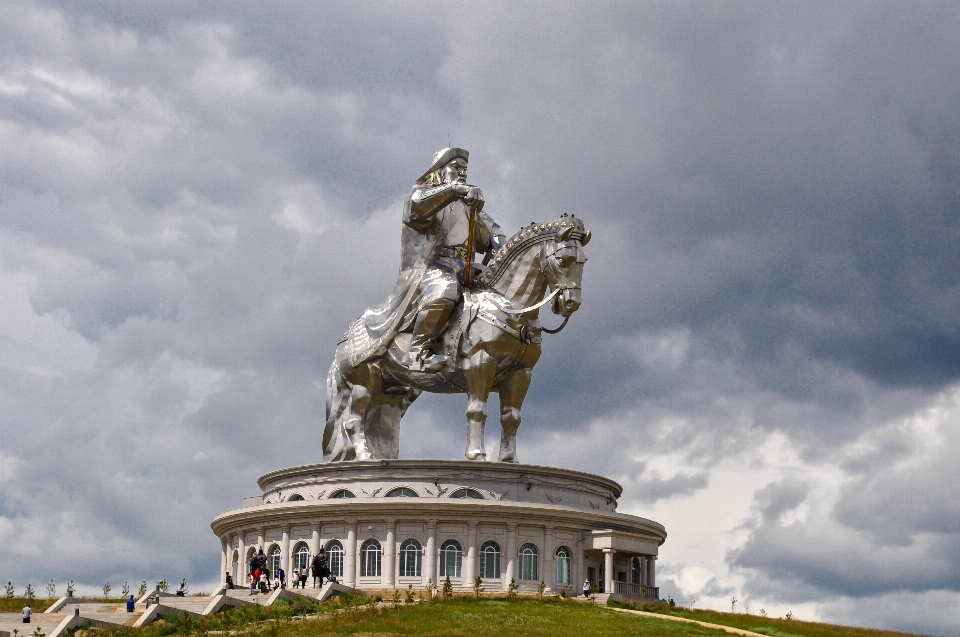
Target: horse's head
{"type": "Point", "coordinates": [562, 264]}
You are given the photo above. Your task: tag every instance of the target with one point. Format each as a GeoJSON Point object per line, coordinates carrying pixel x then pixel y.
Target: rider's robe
{"type": "Point", "coordinates": [421, 241]}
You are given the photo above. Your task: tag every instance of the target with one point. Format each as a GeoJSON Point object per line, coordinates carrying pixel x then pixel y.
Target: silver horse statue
{"type": "Point", "coordinates": [492, 340]}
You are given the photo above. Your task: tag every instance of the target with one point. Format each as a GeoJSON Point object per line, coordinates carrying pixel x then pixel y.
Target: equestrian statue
{"type": "Point", "coordinates": [453, 323]}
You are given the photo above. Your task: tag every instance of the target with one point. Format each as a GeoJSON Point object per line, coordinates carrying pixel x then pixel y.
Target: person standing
{"type": "Point", "coordinates": [586, 588]}
{"type": "Point", "coordinates": [252, 582]}
{"type": "Point", "coordinates": [26, 613]}
{"type": "Point", "coordinates": [283, 579]}
{"type": "Point", "coordinates": [131, 605]}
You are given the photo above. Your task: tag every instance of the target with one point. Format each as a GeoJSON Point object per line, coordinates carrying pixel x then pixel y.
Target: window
{"type": "Point", "coordinates": [296, 497]}
{"type": "Point", "coordinates": [411, 554]}
{"type": "Point", "coordinates": [467, 493]}
{"type": "Point", "coordinates": [451, 559]}
{"type": "Point", "coordinates": [301, 556]}
{"type": "Point", "coordinates": [635, 570]}
{"type": "Point", "coordinates": [273, 563]}
{"type": "Point", "coordinates": [343, 493]}
{"type": "Point", "coordinates": [490, 560]}
{"type": "Point", "coordinates": [402, 492]}
{"type": "Point", "coordinates": [529, 562]}
{"type": "Point", "coordinates": [335, 558]}
{"type": "Point", "coordinates": [370, 559]}
{"type": "Point", "coordinates": [563, 565]}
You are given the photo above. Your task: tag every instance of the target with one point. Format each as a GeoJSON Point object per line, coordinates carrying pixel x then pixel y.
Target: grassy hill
{"type": "Point", "coordinates": [468, 617]}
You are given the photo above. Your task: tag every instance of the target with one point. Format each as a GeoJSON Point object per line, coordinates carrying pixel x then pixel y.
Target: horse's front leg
{"type": "Point", "coordinates": [513, 389]}
{"type": "Point", "coordinates": [479, 370]}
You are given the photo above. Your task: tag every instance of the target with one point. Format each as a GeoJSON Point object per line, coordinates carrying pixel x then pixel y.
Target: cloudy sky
{"type": "Point", "coordinates": [196, 197]}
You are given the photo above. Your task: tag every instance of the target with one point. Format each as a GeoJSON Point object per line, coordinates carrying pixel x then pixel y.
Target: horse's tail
{"type": "Point", "coordinates": [336, 442]}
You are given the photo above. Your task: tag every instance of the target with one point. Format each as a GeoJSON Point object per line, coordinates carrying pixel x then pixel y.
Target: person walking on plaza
{"type": "Point", "coordinates": [283, 579]}
{"type": "Point", "coordinates": [26, 613]}
{"type": "Point", "coordinates": [263, 583]}
{"type": "Point", "coordinates": [253, 583]}
{"type": "Point", "coordinates": [586, 588]}
{"type": "Point", "coordinates": [131, 605]}
{"type": "Point", "coordinates": [303, 578]}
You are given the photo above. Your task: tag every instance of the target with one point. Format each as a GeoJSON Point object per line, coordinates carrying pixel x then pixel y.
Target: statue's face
{"type": "Point", "coordinates": [455, 172]}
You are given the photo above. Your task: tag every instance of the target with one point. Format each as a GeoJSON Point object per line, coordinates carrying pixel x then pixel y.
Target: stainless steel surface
{"type": "Point", "coordinates": [451, 325]}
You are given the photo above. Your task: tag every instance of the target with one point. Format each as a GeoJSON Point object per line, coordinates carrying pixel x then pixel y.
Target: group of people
{"type": "Point", "coordinates": [259, 574]}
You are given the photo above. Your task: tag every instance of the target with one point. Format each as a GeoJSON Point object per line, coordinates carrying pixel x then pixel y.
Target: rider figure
{"type": "Point", "coordinates": [435, 238]}
{"type": "Point", "coordinates": [440, 206]}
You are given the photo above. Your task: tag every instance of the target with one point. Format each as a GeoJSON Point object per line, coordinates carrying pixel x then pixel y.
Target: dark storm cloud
{"type": "Point", "coordinates": [195, 199]}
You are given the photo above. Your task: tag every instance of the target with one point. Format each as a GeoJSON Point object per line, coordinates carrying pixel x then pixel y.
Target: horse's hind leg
{"type": "Point", "coordinates": [513, 389]}
{"type": "Point", "coordinates": [479, 370]}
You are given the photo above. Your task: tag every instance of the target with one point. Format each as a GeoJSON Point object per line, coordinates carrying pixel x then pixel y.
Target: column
{"type": "Point", "coordinates": [511, 555]}
{"type": "Point", "coordinates": [652, 570]}
{"type": "Point", "coordinates": [315, 540]}
{"type": "Point", "coordinates": [225, 562]}
{"type": "Point", "coordinates": [643, 571]}
{"type": "Point", "coordinates": [549, 574]}
{"type": "Point", "coordinates": [260, 539]}
{"type": "Point", "coordinates": [350, 555]}
{"type": "Point", "coordinates": [430, 555]}
{"type": "Point", "coordinates": [609, 575]}
{"type": "Point", "coordinates": [242, 566]}
{"type": "Point", "coordinates": [470, 566]}
{"type": "Point", "coordinates": [285, 549]}
{"type": "Point", "coordinates": [390, 554]}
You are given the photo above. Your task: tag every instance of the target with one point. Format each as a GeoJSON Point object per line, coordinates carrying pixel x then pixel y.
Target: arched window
{"type": "Point", "coordinates": [490, 560]}
{"type": "Point", "coordinates": [529, 562]}
{"type": "Point", "coordinates": [467, 493]}
{"type": "Point", "coordinates": [343, 493]}
{"type": "Point", "coordinates": [273, 562]}
{"type": "Point", "coordinates": [296, 497]}
{"type": "Point", "coordinates": [370, 559]}
{"type": "Point", "coordinates": [301, 556]}
{"type": "Point", "coordinates": [411, 554]}
{"type": "Point", "coordinates": [335, 558]}
{"type": "Point", "coordinates": [451, 559]}
{"type": "Point", "coordinates": [635, 570]}
{"type": "Point", "coordinates": [402, 492]}
{"type": "Point", "coordinates": [563, 565]}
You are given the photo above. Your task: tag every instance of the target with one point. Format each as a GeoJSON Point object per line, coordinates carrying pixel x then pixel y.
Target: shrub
{"type": "Point", "coordinates": [9, 591]}
{"type": "Point", "coordinates": [29, 593]}
{"type": "Point", "coordinates": [410, 593]}
{"type": "Point", "coordinates": [51, 590]}
{"type": "Point", "coordinates": [70, 589]}
{"type": "Point", "coordinates": [163, 585]}
{"type": "Point", "coordinates": [477, 587]}
{"type": "Point", "coordinates": [143, 589]}
{"type": "Point", "coordinates": [512, 588]}
{"type": "Point", "coordinates": [106, 589]}
{"type": "Point", "coordinates": [447, 588]}
{"type": "Point", "coordinates": [125, 591]}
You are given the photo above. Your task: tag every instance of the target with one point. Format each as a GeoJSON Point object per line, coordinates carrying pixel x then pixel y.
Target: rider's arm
{"type": "Point", "coordinates": [427, 202]}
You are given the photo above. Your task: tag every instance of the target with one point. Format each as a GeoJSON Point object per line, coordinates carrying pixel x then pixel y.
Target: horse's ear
{"type": "Point", "coordinates": [565, 234]}
{"type": "Point", "coordinates": [586, 238]}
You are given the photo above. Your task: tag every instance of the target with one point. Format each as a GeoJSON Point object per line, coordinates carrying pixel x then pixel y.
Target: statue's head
{"type": "Point", "coordinates": [449, 165]}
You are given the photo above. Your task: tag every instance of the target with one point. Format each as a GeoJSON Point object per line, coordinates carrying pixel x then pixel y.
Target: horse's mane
{"type": "Point", "coordinates": [525, 238]}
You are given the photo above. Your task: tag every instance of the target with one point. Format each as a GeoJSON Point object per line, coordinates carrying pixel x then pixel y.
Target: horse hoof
{"type": "Point", "coordinates": [476, 455]}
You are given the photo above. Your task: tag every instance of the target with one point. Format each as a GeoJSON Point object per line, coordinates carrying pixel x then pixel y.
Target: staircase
{"type": "Point", "coordinates": [71, 612]}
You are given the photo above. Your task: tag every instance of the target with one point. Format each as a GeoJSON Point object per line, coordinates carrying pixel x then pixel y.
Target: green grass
{"type": "Point", "coordinates": [16, 604]}
{"type": "Point", "coordinates": [466, 617]}
{"type": "Point", "coordinates": [767, 625]}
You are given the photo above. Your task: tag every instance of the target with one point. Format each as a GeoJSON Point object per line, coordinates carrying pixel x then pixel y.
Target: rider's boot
{"type": "Point", "coordinates": [430, 321]}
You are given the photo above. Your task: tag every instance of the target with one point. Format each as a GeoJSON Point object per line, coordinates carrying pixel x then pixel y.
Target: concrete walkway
{"type": "Point", "coordinates": [729, 629]}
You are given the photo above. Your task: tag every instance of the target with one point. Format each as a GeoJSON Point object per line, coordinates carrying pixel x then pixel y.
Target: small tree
{"type": "Point", "coordinates": [183, 585]}
{"type": "Point", "coordinates": [29, 593]}
{"type": "Point", "coordinates": [70, 589]}
{"type": "Point", "coordinates": [163, 586]}
{"type": "Point", "coordinates": [409, 593]}
{"type": "Point", "coordinates": [447, 588]}
{"type": "Point", "coordinates": [51, 590]}
{"type": "Point", "coordinates": [125, 591]}
{"type": "Point", "coordinates": [430, 588]}
{"type": "Point", "coordinates": [106, 589]}
{"type": "Point", "coordinates": [512, 588]}
{"type": "Point", "coordinates": [143, 589]}
{"type": "Point", "coordinates": [763, 613]}
{"type": "Point", "coordinates": [9, 593]}
{"type": "Point", "coordinates": [540, 589]}
{"type": "Point", "coordinates": [733, 604]}
{"type": "Point", "coordinates": [38, 633]}
{"type": "Point", "coordinates": [477, 587]}
{"type": "Point", "coordinates": [789, 615]}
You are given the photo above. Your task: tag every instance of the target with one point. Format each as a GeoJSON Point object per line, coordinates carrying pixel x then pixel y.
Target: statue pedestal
{"type": "Point", "coordinates": [393, 523]}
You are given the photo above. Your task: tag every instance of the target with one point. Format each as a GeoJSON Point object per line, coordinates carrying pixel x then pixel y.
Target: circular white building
{"type": "Point", "coordinates": [393, 523]}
